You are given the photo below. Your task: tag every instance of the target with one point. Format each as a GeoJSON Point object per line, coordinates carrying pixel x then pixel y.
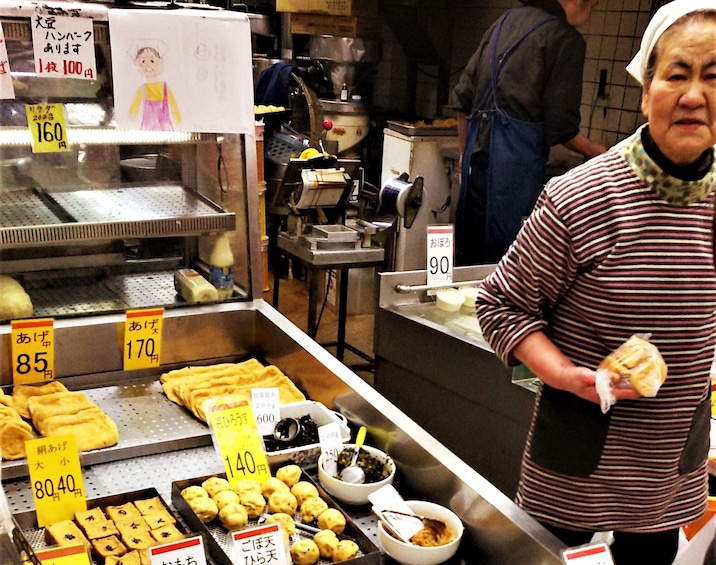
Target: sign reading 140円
{"type": "Point", "coordinates": [236, 438]}
{"type": "Point", "coordinates": [143, 338]}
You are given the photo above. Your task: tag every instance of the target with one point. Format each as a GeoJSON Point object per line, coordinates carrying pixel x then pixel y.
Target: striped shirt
{"type": "Point", "coordinates": [606, 255]}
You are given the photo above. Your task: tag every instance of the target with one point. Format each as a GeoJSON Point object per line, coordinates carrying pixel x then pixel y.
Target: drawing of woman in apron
{"type": "Point", "coordinates": [154, 99]}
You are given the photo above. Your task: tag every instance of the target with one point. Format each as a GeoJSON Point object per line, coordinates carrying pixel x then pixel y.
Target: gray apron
{"type": "Point", "coordinates": [498, 193]}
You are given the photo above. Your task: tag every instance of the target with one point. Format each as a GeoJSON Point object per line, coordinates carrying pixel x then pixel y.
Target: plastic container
{"type": "Point", "coordinates": [192, 287]}
{"type": "Point", "coordinates": [220, 259]}
{"type": "Point", "coordinates": [264, 262]}
{"type": "Point", "coordinates": [260, 150]}
{"type": "Point", "coordinates": [262, 208]}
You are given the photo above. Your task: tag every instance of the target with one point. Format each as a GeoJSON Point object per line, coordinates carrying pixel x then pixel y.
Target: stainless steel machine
{"type": "Point", "coordinates": [58, 236]}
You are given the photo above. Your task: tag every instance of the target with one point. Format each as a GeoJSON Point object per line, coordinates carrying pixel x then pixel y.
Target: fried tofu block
{"type": "Point", "coordinates": [22, 393]}
{"type": "Point", "coordinates": [92, 428]}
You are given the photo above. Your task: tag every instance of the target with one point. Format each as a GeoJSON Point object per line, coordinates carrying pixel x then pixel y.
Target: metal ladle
{"type": "Point", "coordinates": [353, 473]}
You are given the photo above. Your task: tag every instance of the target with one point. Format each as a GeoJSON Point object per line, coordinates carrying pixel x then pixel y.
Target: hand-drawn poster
{"type": "Point", "coordinates": [6, 88]}
{"type": "Point", "coordinates": [184, 70]}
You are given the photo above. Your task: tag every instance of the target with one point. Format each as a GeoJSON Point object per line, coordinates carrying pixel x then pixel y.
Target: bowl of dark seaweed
{"type": "Point", "coordinates": [378, 466]}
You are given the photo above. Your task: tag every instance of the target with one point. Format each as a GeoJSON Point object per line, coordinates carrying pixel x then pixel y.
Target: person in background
{"type": "Point", "coordinates": [622, 245]}
{"type": "Point", "coordinates": [518, 96]}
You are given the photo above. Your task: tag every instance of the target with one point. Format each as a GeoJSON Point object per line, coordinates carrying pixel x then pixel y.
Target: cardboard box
{"type": "Point", "coordinates": [340, 26]}
{"type": "Point", "coordinates": [330, 7]}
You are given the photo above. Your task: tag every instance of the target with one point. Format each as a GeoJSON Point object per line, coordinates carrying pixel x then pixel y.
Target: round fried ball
{"type": "Point", "coordinates": [345, 550]}
{"type": "Point", "coordinates": [285, 520]}
{"type": "Point", "coordinates": [281, 501]}
{"type": "Point", "coordinates": [224, 497]}
{"type": "Point", "coordinates": [312, 509]}
{"type": "Point", "coordinates": [332, 519]}
{"type": "Point", "coordinates": [194, 491]}
{"type": "Point", "coordinates": [303, 490]}
{"type": "Point", "coordinates": [305, 552]}
{"type": "Point", "coordinates": [247, 485]}
{"type": "Point", "coordinates": [233, 516]}
{"type": "Point", "coordinates": [272, 484]}
{"type": "Point", "coordinates": [254, 502]}
{"type": "Point", "coordinates": [213, 485]}
{"type": "Point", "coordinates": [204, 508]}
{"type": "Point", "coordinates": [326, 540]}
{"type": "Point", "coordinates": [289, 474]}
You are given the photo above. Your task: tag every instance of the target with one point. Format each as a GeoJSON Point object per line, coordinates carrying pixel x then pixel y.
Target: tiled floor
{"type": "Point", "coordinates": [293, 303]}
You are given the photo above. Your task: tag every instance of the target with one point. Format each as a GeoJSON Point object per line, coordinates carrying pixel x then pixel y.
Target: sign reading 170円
{"type": "Point", "coordinates": [143, 338]}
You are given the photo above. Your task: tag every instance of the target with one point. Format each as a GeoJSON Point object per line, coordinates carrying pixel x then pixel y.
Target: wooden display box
{"type": "Point", "coordinates": [330, 7]}
{"type": "Point", "coordinates": [340, 26]}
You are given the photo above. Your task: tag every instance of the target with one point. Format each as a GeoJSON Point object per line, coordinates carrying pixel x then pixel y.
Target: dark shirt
{"type": "Point", "coordinates": [542, 79]}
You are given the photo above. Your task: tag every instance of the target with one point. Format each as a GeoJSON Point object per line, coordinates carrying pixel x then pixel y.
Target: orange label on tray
{"type": "Point", "coordinates": [237, 438]}
{"type": "Point", "coordinates": [260, 544]}
{"type": "Point", "coordinates": [33, 350]}
{"type": "Point", "coordinates": [143, 339]}
{"type": "Point", "coordinates": [56, 478]}
{"type": "Point", "coordinates": [65, 555]}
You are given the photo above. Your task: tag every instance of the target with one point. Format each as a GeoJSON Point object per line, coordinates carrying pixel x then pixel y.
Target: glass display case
{"type": "Point", "coordinates": [102, 225]}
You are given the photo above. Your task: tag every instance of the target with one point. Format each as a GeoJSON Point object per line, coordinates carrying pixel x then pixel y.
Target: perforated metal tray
{"type": "Point", "coordinates": [219, 539]}
{"type": "Point", "coordinates": [147, 422]}
{"type": "Point", "coordinates": [73, 216]}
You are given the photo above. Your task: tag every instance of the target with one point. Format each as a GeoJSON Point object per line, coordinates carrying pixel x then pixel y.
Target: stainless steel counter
{"type": "Point", "coordinates": [497, 531]}
{"type": "Point", "coordinates": [436, 366]}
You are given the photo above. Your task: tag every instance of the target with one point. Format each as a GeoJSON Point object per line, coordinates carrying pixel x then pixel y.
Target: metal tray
{"type": "Point", "coordinates": [34, 535]}
{"type": "Point", "coordinates": [409, 128]}
{"type": "Point", "coordinates": [219, 540]}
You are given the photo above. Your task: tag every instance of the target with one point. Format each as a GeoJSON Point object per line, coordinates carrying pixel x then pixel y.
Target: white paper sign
{"type": "Point", "coordinates": [597, 554]}
{"type": "Point", "coordinates": [182, 70]}
{"type": "Point", "coordinates": [6, 89]}
{"type": "Point", "coordinates": [266, 408]}
{"type": "Point", "coordinates": [440, 254]}
{"type": "Point", "coordinates": [260, 544]}
{"type": "Point", "coordinates": [329, 436]}
{"type": "Point", "coordinates": [64, 47]}
{"type": "Point", "coordinates": [188, 550]}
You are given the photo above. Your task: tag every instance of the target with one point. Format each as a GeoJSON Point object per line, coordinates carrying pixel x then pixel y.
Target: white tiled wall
{"type": "Point", "coordinates": [613, 34]}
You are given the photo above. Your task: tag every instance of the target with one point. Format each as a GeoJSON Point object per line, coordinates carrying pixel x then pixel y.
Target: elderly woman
{"type": "Point", "coordinates": [621, 245]}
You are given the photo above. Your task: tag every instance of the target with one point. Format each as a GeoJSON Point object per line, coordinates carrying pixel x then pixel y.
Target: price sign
{"type": "Point", "coordinates": [64, 46]}
{"type": "Point", "coordinates": [597, 554]}
{"type": "Point", "coordinates": [33, 350]}
{"type": "Point", "coordinates": [440, 254]}
{"type": "Point", "coordinates": [56, 478]}
{"type": "Point", "coordinates": [7, 90]}
{"type": "Point", "coordinates": [236, 438]}
{"type": "Point", "coordinates": [267, 409]}
{"type": "Point", "coordinates": [143, 338]}
{"type": "Point", "coordinates": [260, 544]}
{"type": "Point", "coordinates": [188, 550]}
{"type": "Point", "coordinates": [47, 127]}
{"type": "Point", "coordinates": [329, 436]}
{"type": "Point", "coordinates": [64, 555]}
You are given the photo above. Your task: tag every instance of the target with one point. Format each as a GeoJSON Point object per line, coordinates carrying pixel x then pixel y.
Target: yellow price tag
{"type": "Point", "coordinates": [237, 438]}
{"type": "Point", "coordinates": [47, 127]}
{"type": "Point", "coordinates": [143, 339]}
{"type": "Point", "coordinates": [64, 555]}
{"type": "Point", "coordinates": [56, 478]}
{"type": "Point", "coordinates": [33, 350]}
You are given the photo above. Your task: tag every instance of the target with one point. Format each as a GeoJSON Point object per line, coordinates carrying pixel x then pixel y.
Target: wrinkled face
{"type": "Point", "coordinates": [680, 101]}
{"type": "Point", "coordinates": [149, 62]}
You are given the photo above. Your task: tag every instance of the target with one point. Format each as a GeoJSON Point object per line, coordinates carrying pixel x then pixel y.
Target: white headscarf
{"type": "Point", "coordinates": [662, 20]}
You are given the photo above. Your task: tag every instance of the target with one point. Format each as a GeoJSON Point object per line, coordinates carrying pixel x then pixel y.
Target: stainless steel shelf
{"type": "Point", "coordinates": [75, 216]}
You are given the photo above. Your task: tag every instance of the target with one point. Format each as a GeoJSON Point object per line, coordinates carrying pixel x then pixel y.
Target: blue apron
{"type": "Point", "coordinates": [498, 191]}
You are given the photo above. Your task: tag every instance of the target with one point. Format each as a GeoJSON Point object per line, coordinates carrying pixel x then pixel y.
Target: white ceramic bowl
{"type": "Point", "coordinates": [352, 493]}
{"type": "Point", "coordinates": [409, 554]}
